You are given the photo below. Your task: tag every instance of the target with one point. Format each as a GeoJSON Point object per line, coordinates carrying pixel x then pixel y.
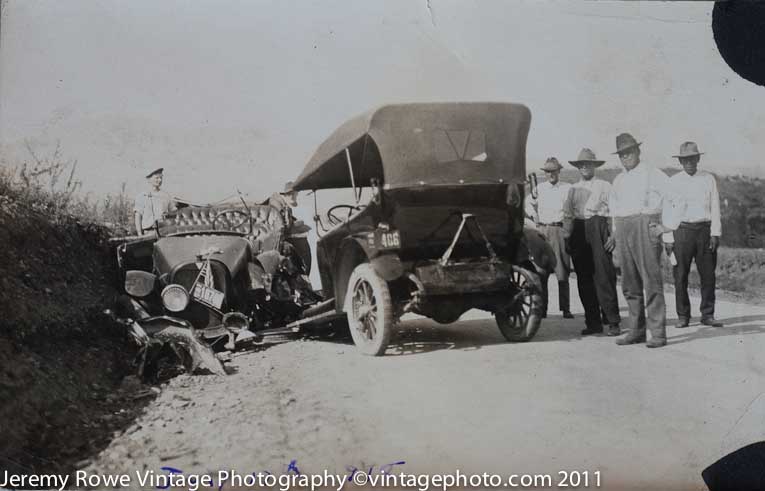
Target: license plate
{"type": "Point", "coordinates": [207, 295]}
{"type": "Point", "coordinates": [389, 240]}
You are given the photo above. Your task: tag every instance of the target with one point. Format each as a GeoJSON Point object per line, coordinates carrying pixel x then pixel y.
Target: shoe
{"type": "Point", "coordinates": [710, 321]}
{"type": "Point", "coordinates": [682, 322]}
{"type": "Point", "coordinates": [656, 343]}
{"type": "Point", "coordinates": [544, 315]}
{"type": "Point", "coordinates": [630, 339]}
{"type": "Point", "coordinates": [567, 314]}
{"type": "Point", "coordinates": [592, 330]}
{"type": "Point", "coordinates": [614, 330]}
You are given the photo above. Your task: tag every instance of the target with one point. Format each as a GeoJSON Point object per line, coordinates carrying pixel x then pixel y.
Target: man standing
{"type": "Point", "coordinates": [550, 197]}
{"type": "Point", "coordinates": [698, 235]}
{"type": "Point", "coordinates": [297, 230]}
{"type": "Point", "coordinates": [152, 205]}
{"type": "Point", "coordinates": [586, 217]}
{"type": "Point", "coordinates": [644, 207]}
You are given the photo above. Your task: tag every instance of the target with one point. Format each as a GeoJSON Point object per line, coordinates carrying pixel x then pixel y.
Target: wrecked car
{"type": "Point", "coordinates": [435, 222]}
{"type": "Point", "coordinates": [211, 278]}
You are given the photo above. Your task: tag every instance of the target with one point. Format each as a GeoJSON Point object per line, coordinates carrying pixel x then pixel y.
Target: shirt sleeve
{"type": "Point", "coordinates": [611, 200]}
{"type": "Point", "coordinates": [672, 205]}
{"type": "Point", "coordinates": [139, 203]}
{"type": "Point", "coordinates": [716, 227]}
{"type": "Point", "coordinates": [568, 211]}
{"type": "Point", "coordinates": [530, 208]}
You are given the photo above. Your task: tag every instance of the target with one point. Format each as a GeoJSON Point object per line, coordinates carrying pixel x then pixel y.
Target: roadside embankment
{"type": "Point", "coordinates": [740, 274]}
{"type": "Point", "coordinates": [62, 361]}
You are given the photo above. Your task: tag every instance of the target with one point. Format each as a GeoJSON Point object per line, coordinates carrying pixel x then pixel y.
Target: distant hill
{"type": "Point", "coordinates": [742, 205]}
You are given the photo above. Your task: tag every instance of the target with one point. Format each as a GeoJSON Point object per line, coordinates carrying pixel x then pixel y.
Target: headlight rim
{"type": "Point", "coordinates": [175, 286]}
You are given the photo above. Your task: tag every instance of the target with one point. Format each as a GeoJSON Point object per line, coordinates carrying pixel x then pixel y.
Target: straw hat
{"type": "Point", "coordinates": [688, 149]}
{"type": "Point", "coordinates": [552, 165]}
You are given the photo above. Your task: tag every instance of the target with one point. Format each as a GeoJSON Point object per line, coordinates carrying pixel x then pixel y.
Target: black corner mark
{"type": "Point", "coordinates": [743, 469]}
{"type": "Point", "coordinates": [739, 32]}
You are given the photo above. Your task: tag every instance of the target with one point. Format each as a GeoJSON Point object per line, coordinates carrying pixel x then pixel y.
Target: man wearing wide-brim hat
{"type": "Point", "coordinates": [697, 237]}
{"type": "Point", "coordinates": [549, 215]}
{"type": "Point", "coordinates": [587, 218]}
{"type": "Point", "coordinates": [644, 208]}
{"type": "Point", "coordinates": [152, 205]}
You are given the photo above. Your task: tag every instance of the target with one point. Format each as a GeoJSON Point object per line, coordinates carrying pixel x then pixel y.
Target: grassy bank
{"type": "Point", "coordinates": [740, 272]}
{"type": "Point", "coordinates": [62, 360]}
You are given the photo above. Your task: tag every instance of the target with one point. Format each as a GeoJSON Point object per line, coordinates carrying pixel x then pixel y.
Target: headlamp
{"type": "Point", "coordinates": [175, 298]}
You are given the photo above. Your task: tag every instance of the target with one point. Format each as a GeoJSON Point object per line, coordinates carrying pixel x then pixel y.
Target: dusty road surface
{"type": "Point", "coordinates": [459, 397]}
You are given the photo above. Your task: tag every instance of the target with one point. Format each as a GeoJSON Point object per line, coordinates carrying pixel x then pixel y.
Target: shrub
{"type": "Point", "coordinates": [48, 184]}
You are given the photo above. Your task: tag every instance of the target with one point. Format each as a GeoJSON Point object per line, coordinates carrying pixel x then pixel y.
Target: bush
{"type": "Point", "coordinates": [738, 270]}
{"type": "Point", "coordinates": [48, 185]}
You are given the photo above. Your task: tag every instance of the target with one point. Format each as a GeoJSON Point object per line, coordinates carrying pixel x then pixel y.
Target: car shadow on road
{"type": "Point", "coordinates": [418, 336]}
{"type": "Point", "coordinates": [427, 336]}
{"type": "Point", "coordinates": [747, 324]}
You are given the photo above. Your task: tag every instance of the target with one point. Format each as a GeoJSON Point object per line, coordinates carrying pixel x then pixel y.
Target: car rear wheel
{"type": "Point", "coordinates": [369, 310]}
{"type": "Point", "coordinates": [520, 320]}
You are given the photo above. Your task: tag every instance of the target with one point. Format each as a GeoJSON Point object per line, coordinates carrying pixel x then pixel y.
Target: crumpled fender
{"type": "Point", "coordinates": [387, 265]}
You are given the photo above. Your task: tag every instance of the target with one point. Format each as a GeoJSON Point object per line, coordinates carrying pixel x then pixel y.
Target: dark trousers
{"type": "Point", "coordinates": [692, 244]}
{"type": "Point", "coordinates": [581, 256]}
{"type": "Point", "coordinates": [597, 231]}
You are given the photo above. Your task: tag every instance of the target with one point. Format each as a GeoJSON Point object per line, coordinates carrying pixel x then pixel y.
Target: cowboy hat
{"type": "Point", "coordinates": [625, 141]}
{"type": "Point", "coordinates": [688, 149]}
{"type": "Point", "coordinates": [552, 165]}
{"type": "Point", "coordinates": [586, 155]}
{"type": "Point", "coordinates": [151, 172]}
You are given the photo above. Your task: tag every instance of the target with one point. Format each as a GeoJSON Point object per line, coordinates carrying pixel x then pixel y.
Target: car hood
{"type": "Point", "coordinates": [232, 251]}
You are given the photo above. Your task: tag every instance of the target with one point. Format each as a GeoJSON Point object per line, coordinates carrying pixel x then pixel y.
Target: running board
{"type": "Point", "coordinates": [320, 308]}
{"type": "Point", "coordinates": [324, 316]}
{"type": "Point", "coordinates": [278, 331]}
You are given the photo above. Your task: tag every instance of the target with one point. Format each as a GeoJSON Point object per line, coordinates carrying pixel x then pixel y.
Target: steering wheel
{"type": "Point", "coordinates": [234, 211]}
{"type": "Point", "coordinates": [333, 220]}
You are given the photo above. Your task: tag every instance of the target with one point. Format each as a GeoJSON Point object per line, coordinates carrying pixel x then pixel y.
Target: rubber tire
{"type": "Point", "coordinates": [509, 325]}
{"type": "Point", "coordinates": [385, 319]}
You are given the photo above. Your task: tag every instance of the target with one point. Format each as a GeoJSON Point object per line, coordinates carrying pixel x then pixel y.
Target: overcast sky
{"type": "Point", "coordinates": [240, 93]}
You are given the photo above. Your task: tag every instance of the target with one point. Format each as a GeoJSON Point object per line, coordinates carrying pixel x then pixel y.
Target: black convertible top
{"type": "Point", "coordinates": [406, 145]}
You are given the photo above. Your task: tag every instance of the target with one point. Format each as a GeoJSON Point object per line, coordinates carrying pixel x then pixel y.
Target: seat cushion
{"type": "Point", "coordinates": [267, 220]}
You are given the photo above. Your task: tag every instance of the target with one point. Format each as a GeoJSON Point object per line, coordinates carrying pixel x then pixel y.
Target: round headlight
{"type": "Point", "coordinates": [175, 298]}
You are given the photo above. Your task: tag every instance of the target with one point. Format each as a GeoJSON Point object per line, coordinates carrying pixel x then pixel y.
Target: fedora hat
{"type": "Point", "coordinates": [552, 165]}
{"type": "Point", "coordinates": [688, 149]}
{"type": "Point", "coordinates": [586, 155]}
{"type": "Point", "coordinates": [153, 171]}
{"type": "Point", "coordinates": [288, 187]}
{"type": "Point", "coordinates": [625, 141]}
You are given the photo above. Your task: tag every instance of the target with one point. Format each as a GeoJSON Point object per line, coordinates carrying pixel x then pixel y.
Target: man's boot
{"type": "Point", "coordinates": [564, 300]}
{"type": "Point", "coordinates": [631, 338]}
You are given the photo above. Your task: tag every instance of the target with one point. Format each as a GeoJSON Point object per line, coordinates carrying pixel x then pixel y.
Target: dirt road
{"type": "Point", "coordinates": [458, 397]}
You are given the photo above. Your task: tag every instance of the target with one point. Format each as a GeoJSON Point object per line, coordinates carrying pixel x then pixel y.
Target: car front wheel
{"type": "Point", "coordinates": [520, 320]}
{"type": "Point", "coordinates": [369, 310]}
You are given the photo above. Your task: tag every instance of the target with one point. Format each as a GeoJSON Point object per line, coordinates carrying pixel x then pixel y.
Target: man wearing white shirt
{"type": "Point", "coordinates": [550, 197]}
{"type": "Point", "coordinates": [698, 235]}
{"type": "Point", "coordinates": [586, 217]}
{"type": "Point", "coordinates": [644, 207]}
{"type": "Point", "coordinates": [153, 205]}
